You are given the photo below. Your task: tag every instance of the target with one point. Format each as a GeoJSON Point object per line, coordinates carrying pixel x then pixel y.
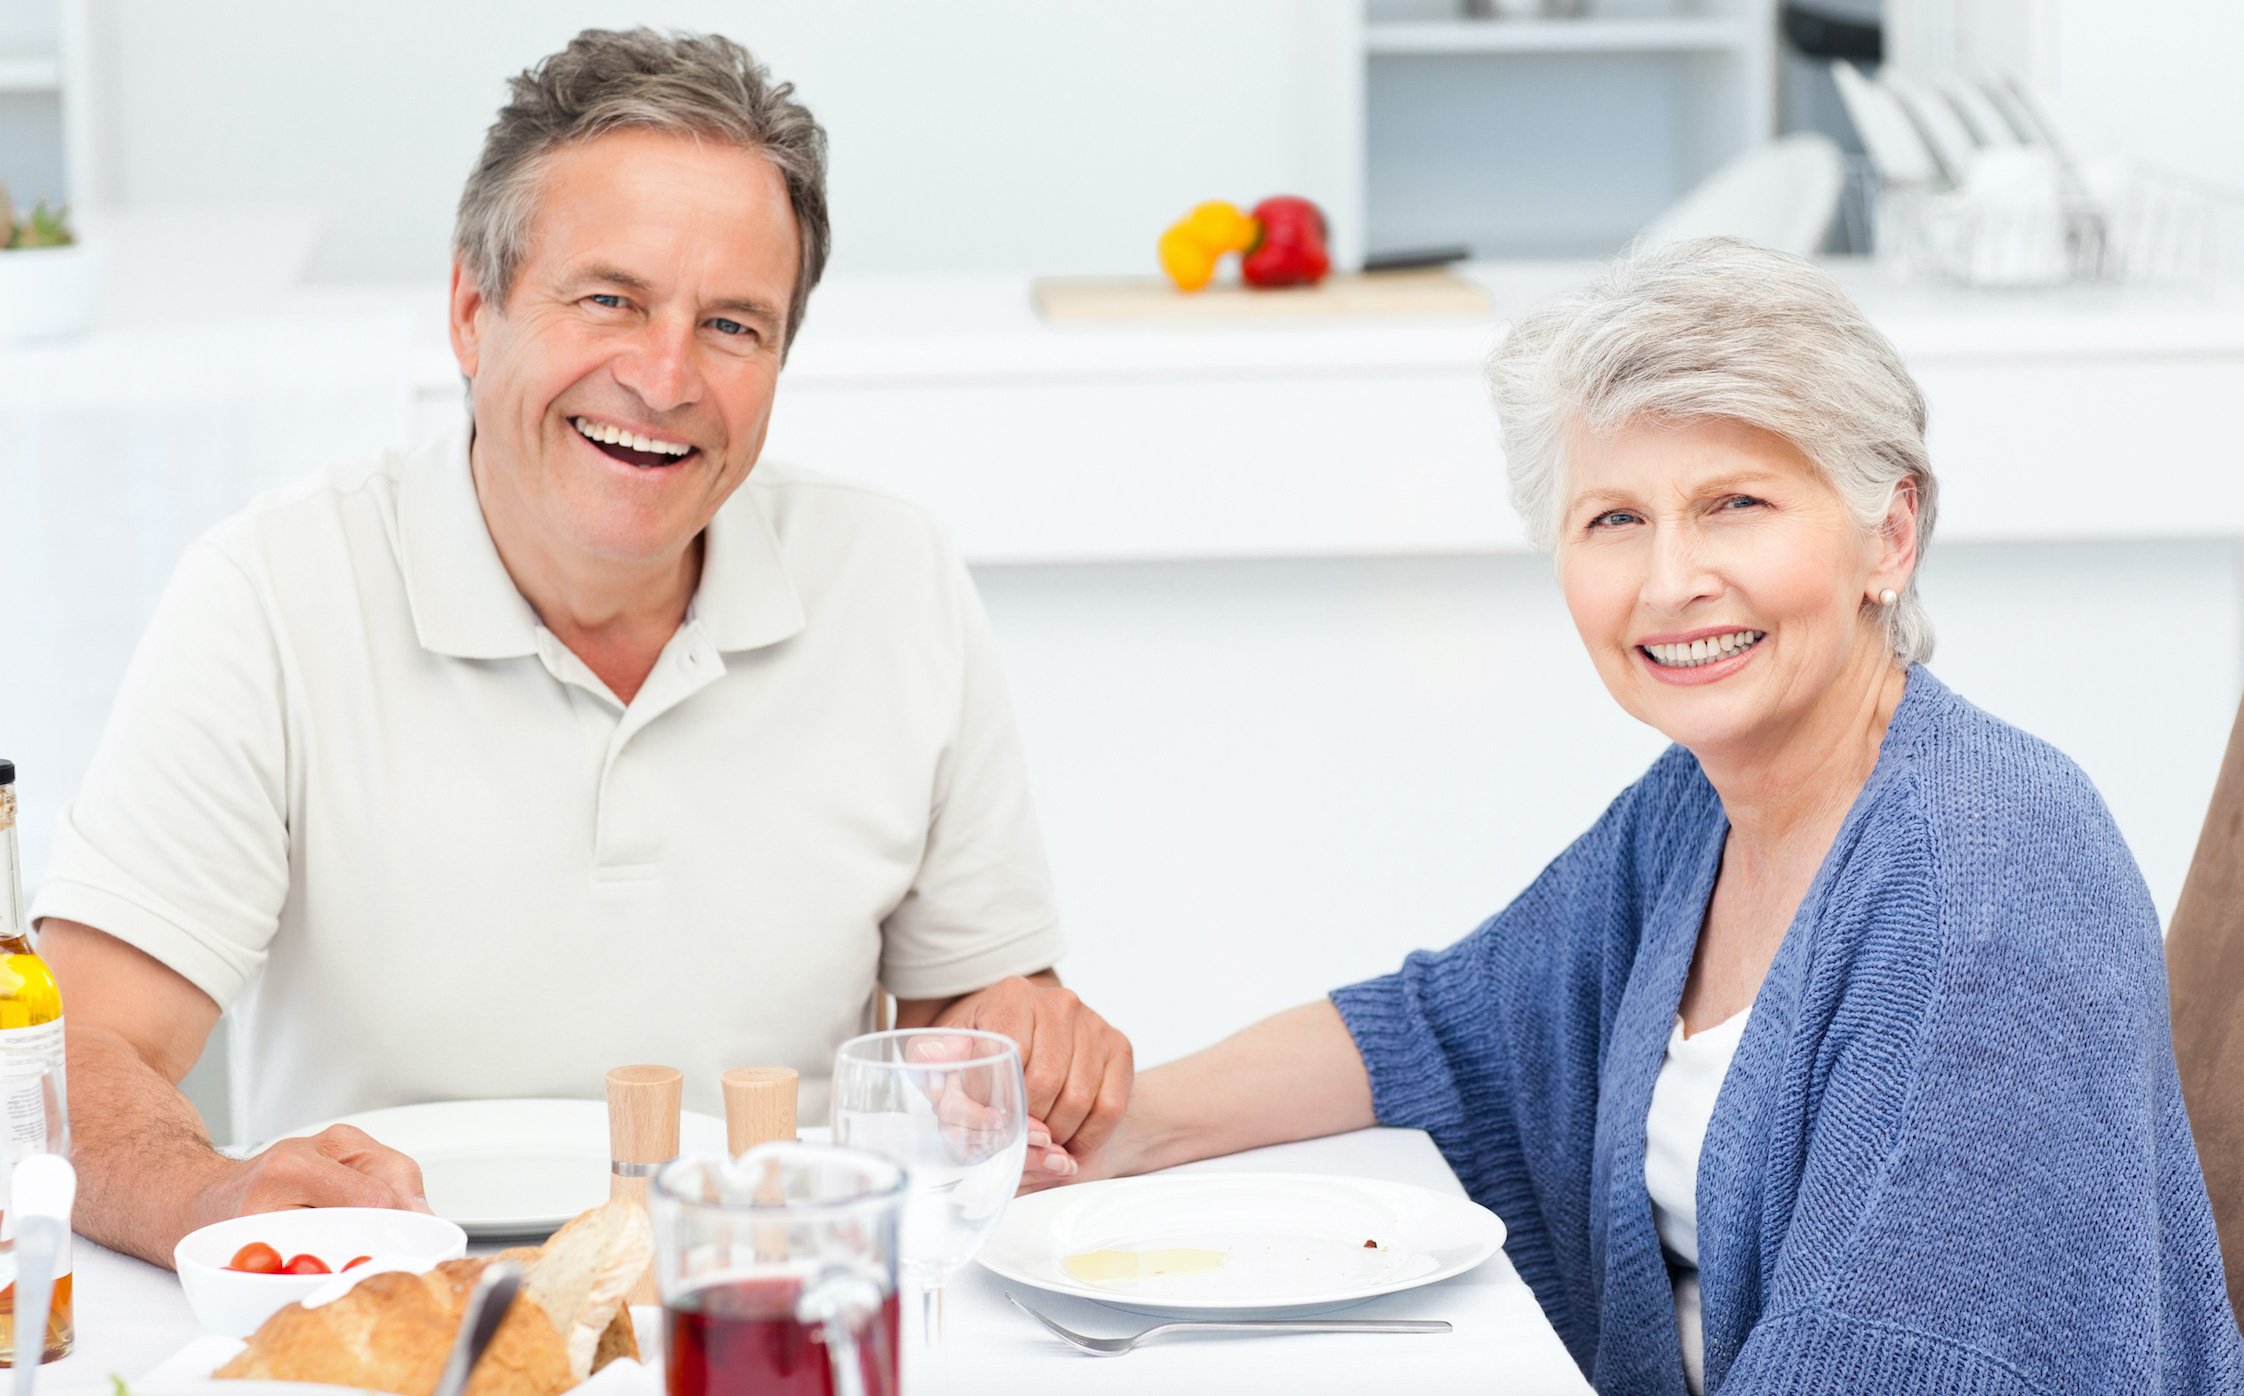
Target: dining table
{"type": "Point", "coordinates": [132, 1316]}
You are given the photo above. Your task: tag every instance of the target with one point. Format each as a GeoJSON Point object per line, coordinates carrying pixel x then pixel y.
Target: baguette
{"type": "Point", "coordinates": [392, 1332]}
{"type": "Point", "coordinates": [586, 1270]}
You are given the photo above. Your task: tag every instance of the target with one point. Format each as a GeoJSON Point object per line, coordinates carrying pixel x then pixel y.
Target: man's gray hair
{"type": "Point", "coordinates": [701, 85]}
{"type": "Point", "coordinates": [1719, 328]}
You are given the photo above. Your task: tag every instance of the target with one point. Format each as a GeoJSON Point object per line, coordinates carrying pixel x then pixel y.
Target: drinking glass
{"type": "Point", "coordinates": [777, 1272]}
{"type": "Point", "coordinates": [947, 1104]}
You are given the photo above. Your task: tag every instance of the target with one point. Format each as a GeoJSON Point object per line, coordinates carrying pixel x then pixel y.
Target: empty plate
{"type": "Point", "coordinates": [1212, 1245]}
{"type": "Point", "coordinates": [512, 1167]}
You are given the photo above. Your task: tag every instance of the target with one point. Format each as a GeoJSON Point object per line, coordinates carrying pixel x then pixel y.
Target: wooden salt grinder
{"type": "Point", "coordinates": [643, 1106]}
{"type": "Point", "coordinates": [759, 1106]}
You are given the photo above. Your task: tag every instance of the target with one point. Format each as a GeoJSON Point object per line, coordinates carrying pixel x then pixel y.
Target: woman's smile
{"type": "Point", "coordinates": [1675, 655]}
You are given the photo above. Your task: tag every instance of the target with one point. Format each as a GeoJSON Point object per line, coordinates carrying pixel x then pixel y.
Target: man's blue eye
{"type": "Point", "coordinates": [729, 327]}
{"type": "Point", "coordinates": [608, 299]}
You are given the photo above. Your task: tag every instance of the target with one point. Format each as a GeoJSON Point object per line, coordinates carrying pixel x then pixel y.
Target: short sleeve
{"type": "Point", "coordinates": [178, 842]}
{"type": "Point", "coordinates": [981, 906]}
{"type": "Point", "coordinates": [1460, 1032]}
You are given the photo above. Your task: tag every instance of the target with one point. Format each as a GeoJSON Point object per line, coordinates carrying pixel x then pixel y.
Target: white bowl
{"type": "Point", "coordinates": [48, 292]}
{"type": "Point", "coordinates": [233, 1303]}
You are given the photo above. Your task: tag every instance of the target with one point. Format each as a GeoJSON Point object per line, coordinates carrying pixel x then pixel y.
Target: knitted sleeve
{"type": "Point", "coordinates": [1815, 1354]}
{"type": "Point", "coordinates": [1444, 1036]}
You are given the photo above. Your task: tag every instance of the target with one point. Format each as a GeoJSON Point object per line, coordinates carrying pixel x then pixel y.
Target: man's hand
{"type": "Point", "coordinates": [1078, 1066]}
{"type": "Point", "coordinates": [147, 1173]}
{"type": "Point", "coordinates": [338, 1167]}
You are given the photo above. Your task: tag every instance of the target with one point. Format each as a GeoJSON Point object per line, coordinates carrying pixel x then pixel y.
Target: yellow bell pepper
{"type": "Point", "coordinates": [1189, 262]}
{"type": "Point", "coordinates": [1222, 226]}
{"type": "Point", "coordinates": [1191, 247]}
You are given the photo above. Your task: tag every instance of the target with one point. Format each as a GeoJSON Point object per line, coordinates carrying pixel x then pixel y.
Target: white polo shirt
{"type": "Point", "coordinates": [357, 793]}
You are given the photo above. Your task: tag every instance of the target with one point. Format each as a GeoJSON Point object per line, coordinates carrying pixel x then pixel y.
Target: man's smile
{"type": "Point", "coordinates": [630, 447]}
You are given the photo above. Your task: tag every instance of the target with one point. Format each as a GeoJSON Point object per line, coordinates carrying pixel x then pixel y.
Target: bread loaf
{"type": "Point", "coordinates": [392, 1332]}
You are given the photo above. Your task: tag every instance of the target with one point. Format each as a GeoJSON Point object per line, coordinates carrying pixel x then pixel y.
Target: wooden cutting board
{"type": "Point", "coordinates": [1110, 300]}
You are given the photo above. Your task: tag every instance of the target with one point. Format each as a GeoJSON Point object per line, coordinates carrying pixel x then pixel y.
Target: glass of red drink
{"type": "Point", "coordinates": [778, 1272]}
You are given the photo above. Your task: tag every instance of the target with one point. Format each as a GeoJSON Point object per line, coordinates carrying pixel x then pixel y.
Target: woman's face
{"type": "Point", "coordinates": [1719, 582]}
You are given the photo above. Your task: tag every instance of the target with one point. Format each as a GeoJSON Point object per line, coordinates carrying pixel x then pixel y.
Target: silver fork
{"type": "Point", "coordinates": [1115, 1347]}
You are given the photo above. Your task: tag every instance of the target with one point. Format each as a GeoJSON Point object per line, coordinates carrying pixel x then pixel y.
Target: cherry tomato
{"type": "Point", "coordinates": [256, 1258]}
{"type": "Point", "coordinates": [355, 1261]}
{"type": "Point", "coordinates": [306, 1265]}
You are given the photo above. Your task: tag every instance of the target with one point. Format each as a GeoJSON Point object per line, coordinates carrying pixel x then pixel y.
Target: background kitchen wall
{"type": "Point", "coordinates": [981, 136]}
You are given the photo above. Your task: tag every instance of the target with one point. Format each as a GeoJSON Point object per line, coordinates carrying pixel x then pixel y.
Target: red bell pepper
{"type": "Point", "coordinates": [1291, 249]}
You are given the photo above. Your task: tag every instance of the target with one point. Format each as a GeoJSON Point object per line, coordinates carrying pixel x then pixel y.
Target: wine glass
{"type": "Point", "coordinates": [947, 1104]}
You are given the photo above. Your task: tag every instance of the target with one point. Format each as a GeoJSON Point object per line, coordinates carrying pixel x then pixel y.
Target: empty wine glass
{"type": "Point", "coordinates": [947, 1104]}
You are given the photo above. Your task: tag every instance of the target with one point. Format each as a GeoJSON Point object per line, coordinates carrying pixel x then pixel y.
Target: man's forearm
{"type": "Point", "coordinates": [144, 1156]}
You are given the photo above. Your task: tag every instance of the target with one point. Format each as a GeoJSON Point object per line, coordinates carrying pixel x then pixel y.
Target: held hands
{"type": "Point", "coordinates": [1077, 1066]}
{"type": "Point", "coordinates": [338, 1167]}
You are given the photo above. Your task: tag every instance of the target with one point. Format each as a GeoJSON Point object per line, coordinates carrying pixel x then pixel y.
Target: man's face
{"type": "Point", "coordinates": [652, 304]}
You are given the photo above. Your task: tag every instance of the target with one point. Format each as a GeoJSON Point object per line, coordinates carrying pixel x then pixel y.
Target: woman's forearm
{"type": "Point", "coordinates": [1296, 1075]}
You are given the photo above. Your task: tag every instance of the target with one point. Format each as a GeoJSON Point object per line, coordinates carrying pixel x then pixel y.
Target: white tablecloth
{"type": "Point", "coordinates": [131, 1316]}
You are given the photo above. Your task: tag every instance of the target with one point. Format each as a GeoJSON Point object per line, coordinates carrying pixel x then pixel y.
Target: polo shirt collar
{"type": "Point", "coordinates": [466, 605]}
{"type": "Point", "coordinates": [746, 599]}
{"type": "Point", "coordinates": [464, 602]}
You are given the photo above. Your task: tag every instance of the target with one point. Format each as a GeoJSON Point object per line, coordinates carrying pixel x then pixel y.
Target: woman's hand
{"type": "Point", "coordinates": [1119, 1155]}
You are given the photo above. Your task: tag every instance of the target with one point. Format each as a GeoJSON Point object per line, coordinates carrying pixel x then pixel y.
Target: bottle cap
{"type": "Point", "coordinates": [7, 771]}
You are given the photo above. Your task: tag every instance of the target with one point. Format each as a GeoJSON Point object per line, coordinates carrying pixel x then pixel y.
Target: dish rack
{"type": "Point", "coordinates": [2145, 228]}
{"type": "Point", "coordinates": [1971, 178]}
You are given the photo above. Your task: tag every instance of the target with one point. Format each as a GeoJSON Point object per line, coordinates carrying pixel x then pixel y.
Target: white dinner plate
{"type": "Point", "coordinates": [512, 1167]}
{"type": "Point", "coordinates": [1289, 1242]}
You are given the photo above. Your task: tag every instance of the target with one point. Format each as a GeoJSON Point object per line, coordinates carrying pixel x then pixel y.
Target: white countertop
{"type": "Point", "coordinates": [870, 331]}
{"type": "Point", "coordinates": [180, 270]}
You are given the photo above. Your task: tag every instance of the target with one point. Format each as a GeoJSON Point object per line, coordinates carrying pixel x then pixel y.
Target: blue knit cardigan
{"type": "Point", "coordinates": [1950, 1155]}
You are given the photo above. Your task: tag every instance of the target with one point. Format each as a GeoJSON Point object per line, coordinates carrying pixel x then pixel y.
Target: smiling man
{"type": "Point", "coordinates": [562, 743]}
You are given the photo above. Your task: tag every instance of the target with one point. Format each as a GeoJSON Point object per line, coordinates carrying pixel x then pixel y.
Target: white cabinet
{"type": "Point", "coordinates": [1554, 137]}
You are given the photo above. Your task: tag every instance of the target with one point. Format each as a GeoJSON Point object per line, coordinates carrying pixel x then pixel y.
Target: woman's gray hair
{"type": "Point", "coordinates": [701, 85]}
{"type": "Point", "coordinates": [1719, 328]}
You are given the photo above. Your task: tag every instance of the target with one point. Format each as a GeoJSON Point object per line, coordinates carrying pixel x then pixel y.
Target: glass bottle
{"type": "Point", "coordinates": [33, 1103]}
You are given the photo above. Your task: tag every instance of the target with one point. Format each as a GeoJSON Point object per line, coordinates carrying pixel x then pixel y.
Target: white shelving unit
{"type": "Point", "coordinates": [1555, 137]}
{"type": "Point", "coordinates": [33, 155]}
{"type": "Point", "coordinates": [1684, 34]}
{"type": "Point", "coordinates": [30, 74]}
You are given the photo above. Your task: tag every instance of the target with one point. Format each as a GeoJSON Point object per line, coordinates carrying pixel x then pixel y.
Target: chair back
{"type": "Point", "coordinates": [2205, 974]}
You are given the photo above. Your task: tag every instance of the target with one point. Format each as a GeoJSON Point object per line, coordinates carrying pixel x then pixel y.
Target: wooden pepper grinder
{"type": "Point", "coordinates": [759, 1106]}
{"type": "Point", "coordinates": [643, 1111]}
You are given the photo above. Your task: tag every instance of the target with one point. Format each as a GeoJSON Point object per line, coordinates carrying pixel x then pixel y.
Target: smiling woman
{"type": "Point", "coordinates": [1725, 333]}
{"type": "Point", "coordinates": [1834, 1057]}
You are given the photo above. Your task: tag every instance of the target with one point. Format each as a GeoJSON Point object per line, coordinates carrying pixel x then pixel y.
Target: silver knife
{"type": "Point", "coordinates": [487, 1307]}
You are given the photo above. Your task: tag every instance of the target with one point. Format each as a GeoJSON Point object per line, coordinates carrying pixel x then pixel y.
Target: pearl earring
{"type": "Point", "coordinates": [1887, 597]}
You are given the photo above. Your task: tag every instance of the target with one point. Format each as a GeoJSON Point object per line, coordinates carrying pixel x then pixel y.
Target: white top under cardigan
{"type": "Point", "coordinates": [1682, 1104]}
